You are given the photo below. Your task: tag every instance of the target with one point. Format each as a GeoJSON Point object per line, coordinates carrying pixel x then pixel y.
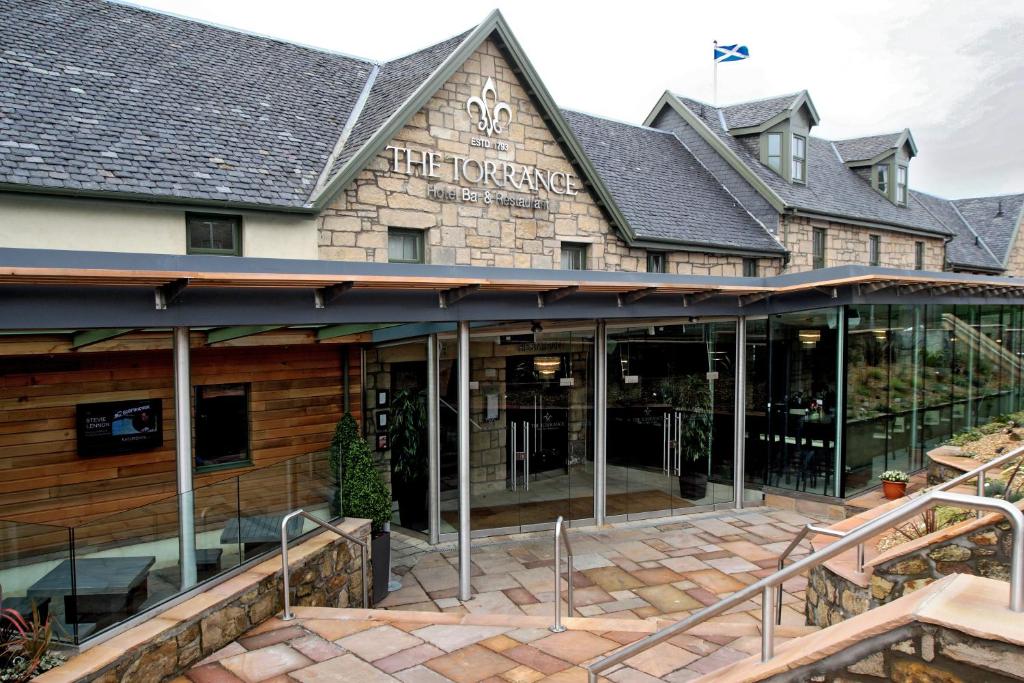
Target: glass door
{"type": "Point", "coordinates": [670, 392]}
{"type": "Point", "coordinates": [531, 443]}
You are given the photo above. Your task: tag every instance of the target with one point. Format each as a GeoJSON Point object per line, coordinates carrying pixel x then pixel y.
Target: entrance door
{"type": "Point", "coordinates": [670, 389]}
{"type": "Point", "coordinates": [531, 446]}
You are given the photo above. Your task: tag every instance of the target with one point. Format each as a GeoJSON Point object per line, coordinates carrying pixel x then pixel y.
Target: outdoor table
{"type": "Point", "coordinates": [104, 586]}
{"type": "Point", "coordinates": [258, 529]}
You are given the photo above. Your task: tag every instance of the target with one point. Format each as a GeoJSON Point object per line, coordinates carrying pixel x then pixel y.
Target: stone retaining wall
{"type": "Point", "coordinates": [919, 652]}
{"type": "Point", "coordinates": [977, 547]}
{"type": "Point", "coordinates": [325, 571]}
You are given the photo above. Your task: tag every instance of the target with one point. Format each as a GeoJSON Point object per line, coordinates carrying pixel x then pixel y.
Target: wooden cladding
{"type": "Point", "coordinates": [296, 398]}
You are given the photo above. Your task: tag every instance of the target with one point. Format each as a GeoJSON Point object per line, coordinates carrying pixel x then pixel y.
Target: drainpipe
{"type": "Point", "coordinates": [183, 455]}
{"type": "Point", "coordinates": [464, 502]}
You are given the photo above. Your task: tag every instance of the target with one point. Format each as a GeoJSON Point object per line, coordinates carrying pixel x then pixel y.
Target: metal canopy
{"type": "Point", "coordinates": [62, 289]}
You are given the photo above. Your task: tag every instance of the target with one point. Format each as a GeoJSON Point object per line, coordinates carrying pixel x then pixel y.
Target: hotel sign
{"type": "Point", "coordinates": [503, 182]}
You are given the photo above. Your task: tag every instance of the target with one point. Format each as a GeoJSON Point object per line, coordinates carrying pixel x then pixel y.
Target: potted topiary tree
{"type": "Point", "coordinates": [409, 456]}
{"type": "Point", "coordinates": [365, 495]}
{"type": "Point", "coordinates": [894, 483]}
{"type": "Point", "coordinates": [692, 398]}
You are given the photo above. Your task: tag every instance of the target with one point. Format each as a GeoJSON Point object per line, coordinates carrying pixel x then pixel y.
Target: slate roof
{"type": "Point", "coordinates": [831, 188]}
{"type": "Point", "coordinates": [995, 219]}
{"type": "Point", "coordinates": [863, 149]}
{"type": "Point", "coordinates": [394, 84]}
{"type": "Point", "coordinates": [965, 249]}
{"type": "Point", "coordinates": [98, 96]}
{"type": "Point", "coordinates": [662, 190]}
{"type": "Point", "coordinates": [756, 112]}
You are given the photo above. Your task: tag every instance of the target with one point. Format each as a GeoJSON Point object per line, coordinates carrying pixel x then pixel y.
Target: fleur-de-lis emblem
{"type": "Point", "coordinates": [489, 110]}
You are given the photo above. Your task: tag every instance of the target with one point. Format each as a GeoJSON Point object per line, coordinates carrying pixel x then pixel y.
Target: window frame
{"type": "Point", "coordinates": [819, 237]}
{"type": "Point", "coordinates": [416, 235]}
{"type": "Point", "coordinates": [882, 184]}
{"type": "Point", "coordinates": [657, 255]}
{"type": "Point", "coordinates": [918, 255]}
{"type": "Point", "coordinates": [901, 184]}
{"type": "Point", "coordinates": [197, 399]}
{"type": "Point", "coordinates": [798, 161]}
{"type": "Point", "coordinates": [749, 267]}
{"type": "Point", "coordinates": [874, 251]}
{"type": "Point", "coordinates": [768, 156]}
{"type": "Point", "coordinates": [236, 233]}
{"type": "Point", "coordinates": [580, 248]}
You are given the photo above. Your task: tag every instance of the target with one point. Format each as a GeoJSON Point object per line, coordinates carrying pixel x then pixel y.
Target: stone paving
{"type": "Point", "coordinates": [643, 574]}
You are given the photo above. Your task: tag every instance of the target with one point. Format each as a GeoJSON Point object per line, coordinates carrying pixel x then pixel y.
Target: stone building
{"type": "Point", "coordinates": [247, 238]}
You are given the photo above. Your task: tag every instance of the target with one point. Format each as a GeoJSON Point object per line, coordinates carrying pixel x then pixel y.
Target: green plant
{"type": "Point", "coordinates": [407, 432]}
{"type": "Point", "coordinates": [24, 650]}
{"type": "Point", "coordinates": [895, 476]}
{"type": "Point", "coordinates": [693, 399]}
{"type": "Point", "coordinates": [363, 491]}
{"type": "Point", "coordinates": [346, 433]}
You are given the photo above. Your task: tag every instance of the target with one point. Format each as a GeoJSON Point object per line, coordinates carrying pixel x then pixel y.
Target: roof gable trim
{"type": "Point", "coordinates": [803, 99]}
{"type": "Point", "coordinates": [494, 23]}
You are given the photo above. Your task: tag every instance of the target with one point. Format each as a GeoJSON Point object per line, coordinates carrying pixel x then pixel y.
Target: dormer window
{"type": "Point", "coordinates": [901, 185]}
{"type": "Point", "coordinates": [799, 159]}
{"type": "Point", "coordinates": [882, 178]}
{"type": "Point", "coordinates": [774, 156]}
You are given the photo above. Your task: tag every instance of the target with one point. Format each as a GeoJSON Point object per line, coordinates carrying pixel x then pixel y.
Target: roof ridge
{"type": "Point", "coordinates": [989, 196]}
{"type": "Point", "coordinates": [460, 34]}
{"type": "Point", "coordinates": [242, 31]}
{"type": "Point", "coordinates": [875, 135]}
{"type": "Point", "coordinates": [614, 120]}
{"type": "Point", "coordinates": [736, 104]}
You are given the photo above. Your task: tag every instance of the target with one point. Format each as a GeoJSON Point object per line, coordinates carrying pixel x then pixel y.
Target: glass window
{"type": "Point", "coordinates": [882, 178]}
{"type": "Point", "coordinates": [799, 158]}
{"type": "Point", "coordinates": [869, 342]}
{"type": "Point", "coordinates": [819, 247]}
{"type": "Point", "coordinates": [574, 256]}
{"type": "Point", "coordinates": [901, 185]}
{"type": "Point", "coordinates": [874, 250]}
{"type": "Point", "coordinates": [750, 267]}
{"type": "Point", "coordinates": [222, 425]}
{"type": "Point", "coordinates": [405, 246]}
{"type": "Point", "coordinates": [775, 152]}
{"type": "Point", "coordinates": [655, 262]}
{"type": "Point", "coordinates": [918, 255]}
{"type": "Point", "coordinates": [213, 234]}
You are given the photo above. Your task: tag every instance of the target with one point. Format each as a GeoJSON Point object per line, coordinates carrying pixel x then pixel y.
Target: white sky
{"type": "Point", "coordinates": [953, 72]}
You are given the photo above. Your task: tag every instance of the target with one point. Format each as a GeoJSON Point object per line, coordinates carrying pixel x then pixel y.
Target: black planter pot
{"type": "Point", "coordinates": [693, 485]}
{"type": "Point", "coordinates": [380, 546]}
{"type": "Point", "coordinates": [412, 505]}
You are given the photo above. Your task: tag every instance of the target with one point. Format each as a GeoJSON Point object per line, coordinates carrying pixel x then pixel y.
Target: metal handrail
{"type": "Point", "coordinates": [978, 472]}
{"type": "Point", "coordinates": [810, 528]}
{"type": "Point", "coordinates": [557, 627]}
{"type": "Point", "coordinates": [853, 537]}
{"type": "Point", "coordinates": [288, 616]}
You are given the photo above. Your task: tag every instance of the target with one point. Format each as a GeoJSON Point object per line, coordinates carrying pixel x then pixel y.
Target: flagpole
{"type": "Point", "coordinates": [714, 55]}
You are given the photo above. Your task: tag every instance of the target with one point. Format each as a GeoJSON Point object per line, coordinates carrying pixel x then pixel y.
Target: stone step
{"type": "Point", "coordinates": [967, 612]}
{"type": "Point", "coordinates": [720, 627]}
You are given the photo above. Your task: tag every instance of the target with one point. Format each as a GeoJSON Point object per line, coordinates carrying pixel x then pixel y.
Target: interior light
{"type": "Point", "coordinates": [547, 366]}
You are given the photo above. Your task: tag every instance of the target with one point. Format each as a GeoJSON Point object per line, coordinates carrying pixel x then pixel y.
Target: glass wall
{"type": "Point", "coordinates": [916, 375]}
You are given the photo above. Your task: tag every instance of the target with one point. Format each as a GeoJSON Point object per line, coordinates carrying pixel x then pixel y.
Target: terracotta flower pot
{"type": "Point", "coordinates": [894, 489]}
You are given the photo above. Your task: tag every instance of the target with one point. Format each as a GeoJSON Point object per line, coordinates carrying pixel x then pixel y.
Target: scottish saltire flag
{"type": "Point", "coordinates": [731, 53]}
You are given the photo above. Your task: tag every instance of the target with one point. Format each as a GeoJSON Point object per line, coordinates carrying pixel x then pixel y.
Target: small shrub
{"type": "Point", "coordinates": [363, 491]}
{"type": "Point", "coordinates": [25, 648]}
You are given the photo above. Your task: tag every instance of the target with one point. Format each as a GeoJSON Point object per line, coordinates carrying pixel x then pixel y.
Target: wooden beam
{"type": "Point", "coordinates": [222, 334]}
{"type": "Point", "coordinates": [447, 297]}
{"type": "Point", "coordinates": [689, 299]}
{"type": "Point", "coordinates": [88, 337]}
{"type": "Point", "coordinates": [831, 292]}
{"type": "Point", "coordinates": [870, 287]}
{"type": "Point", "coordinates": [913, 288]}
{"type": "Point", "coordinates": [166, 294]}
{"type": "Point", "coordinates": [550, 297]}
{"type": "Point", "coordinates": [324, 296]}
{"type": "Point", "coordinates": [332, 331]}
{"type": "Point", "coordinates": [627, 298]}
{"type": "Point", "coordinates": [747, 299]}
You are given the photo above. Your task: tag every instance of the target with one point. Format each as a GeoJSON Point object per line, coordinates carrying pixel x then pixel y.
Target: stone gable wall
{"type": "Point", "coordinates": [355, 225]}
{"type": "Point", "coordinates": [848, 245]}
{"type": "Point", "coordinates": [1015, 264]}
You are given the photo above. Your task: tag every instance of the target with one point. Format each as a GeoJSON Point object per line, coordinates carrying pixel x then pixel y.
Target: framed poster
{"type": "Point", "coordinates": [119, 426]}
{"type": "Point", "coordinates": [382, 441]}
{"type": "Point", "coordinates": [382, 398]}
{"type": "Point", "coordinates": [382, 420]}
